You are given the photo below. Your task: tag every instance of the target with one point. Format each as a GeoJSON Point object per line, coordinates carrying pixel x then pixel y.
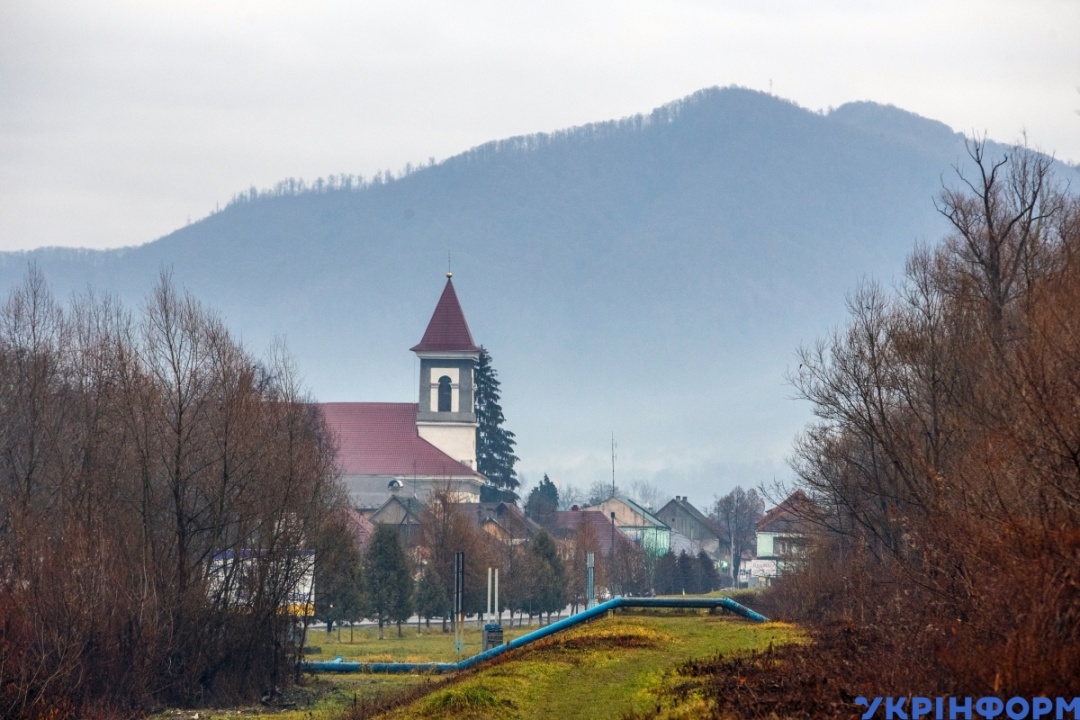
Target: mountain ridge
{"type": "Point", "coordinates": [650, 276]}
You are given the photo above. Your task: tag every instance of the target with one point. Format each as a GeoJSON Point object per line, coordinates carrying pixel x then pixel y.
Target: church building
{"type": "Point", "coordinates": [408, 450]}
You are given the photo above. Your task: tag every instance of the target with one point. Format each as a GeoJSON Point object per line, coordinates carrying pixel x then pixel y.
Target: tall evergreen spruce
{"type": "Point", "coordinates": [708, 579]}
{"type": "Point", "coordinates": [667, 574]}
{"type": "Point", "coordinates": [495, 456]}
{"type": "Point", "coordinates": [551, 593]}
{"type": "Point", "coordinates": [388, 582]}
{"type": "Point", "coordinates": [338, 577]}
{"type": "Point", "coordinates": [543, 502]}
{"type": "Point", "coordinates": [431, 596]}
{"type": "Point", "coordinates": [686, 574]}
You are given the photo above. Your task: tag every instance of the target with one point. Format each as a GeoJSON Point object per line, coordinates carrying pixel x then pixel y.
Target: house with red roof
{"type": "Point", "coordinates": [782, 536]}
{"type": "Point", "coordinates": [413, 449]}
{"type": "Point", "coordinates": [568, 524]}
{"type": "Point", "coordinates": [504, 521]}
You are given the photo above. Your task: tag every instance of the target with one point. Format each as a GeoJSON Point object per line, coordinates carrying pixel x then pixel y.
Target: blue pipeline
{"type": "Point", "coordinates": [341, 666]}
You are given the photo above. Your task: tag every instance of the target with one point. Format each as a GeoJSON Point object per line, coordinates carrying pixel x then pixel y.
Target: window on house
{"type": "Point", "coordinates": [444, 394]}
{"type": "Point", "coordinates": [790, 546]}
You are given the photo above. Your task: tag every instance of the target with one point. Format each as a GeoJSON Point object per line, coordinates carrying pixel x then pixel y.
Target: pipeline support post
{"type": "Point", "coordinates": [493, 632]}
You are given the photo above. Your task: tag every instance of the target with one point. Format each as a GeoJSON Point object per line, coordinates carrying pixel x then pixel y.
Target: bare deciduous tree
{"type": "Point", "coordinates": [162, 497]}
{"type": "Point", "coordinates": [736, 514]}
{"type": "Point", "coordinates": [943, 458]}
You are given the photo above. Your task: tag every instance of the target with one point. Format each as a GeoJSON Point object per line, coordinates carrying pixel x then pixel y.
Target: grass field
{"type": "Point", "coordinates": [608, 668]}
{"type": "Point", "coordinates": [433, 645]}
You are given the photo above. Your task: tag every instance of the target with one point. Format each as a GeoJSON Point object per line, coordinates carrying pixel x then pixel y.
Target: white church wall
{"type": "Point", "coordinates": [457, 441]}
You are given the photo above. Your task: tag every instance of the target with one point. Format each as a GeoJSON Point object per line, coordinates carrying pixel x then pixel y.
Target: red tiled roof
{"type": "Point", "coordinates": [381, 439]}
{"type": "Point", "coordinates": [359, 526]}
{"type": "Point", "coordinates": [789, 516]}
{"type": "Point", "coordinates": [447, 329]}
{"type": "Point", "coordinates": [508, 515]}
{"type": "Point", "coordinates": [567, 523]}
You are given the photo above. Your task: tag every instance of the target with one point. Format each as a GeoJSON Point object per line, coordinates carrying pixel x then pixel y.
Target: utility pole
{"type": "Point", "coordinates": [590, 594]}
{"type": "Point", "coordinates": [611, 562]}
{"type": "Point", "coordinates": [459, 603]}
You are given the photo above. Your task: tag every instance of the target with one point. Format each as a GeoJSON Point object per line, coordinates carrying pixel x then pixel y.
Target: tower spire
{"type": "Point", "coordinates": [447, 330]}
{"type": "Point", "coordinates": [446, 413]}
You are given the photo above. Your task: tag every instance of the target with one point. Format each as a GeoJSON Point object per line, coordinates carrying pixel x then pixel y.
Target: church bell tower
{"type": "Point", "coordinates": [446, 416]}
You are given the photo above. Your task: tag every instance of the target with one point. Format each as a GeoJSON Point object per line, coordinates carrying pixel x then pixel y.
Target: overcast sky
{"type": "Point", "coordinates": [120, 121]}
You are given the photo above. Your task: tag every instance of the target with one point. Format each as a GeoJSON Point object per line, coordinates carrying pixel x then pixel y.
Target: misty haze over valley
{"type": "Point", "coordinates": [650, 277]}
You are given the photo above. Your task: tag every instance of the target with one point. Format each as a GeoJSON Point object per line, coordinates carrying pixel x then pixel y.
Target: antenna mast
{"type": "Point", "coordinates": [614, 445]}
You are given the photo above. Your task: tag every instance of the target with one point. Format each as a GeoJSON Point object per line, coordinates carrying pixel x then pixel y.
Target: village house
{"type": "Point", "coordinates": [504, 521]}
{"type": "Point", "coordinates": [781, 537]}
{"type": "Point", "coordinates": [405, 512]}
{"type": "Point", "coordinates": [637, 523]}
{"type": "Point", "coordinates": [567, 525]}
{"type": "Point", "coordinates": [693, 531]}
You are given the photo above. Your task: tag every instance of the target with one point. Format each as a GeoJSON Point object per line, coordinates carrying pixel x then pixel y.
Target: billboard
{"type": "Point", "coordinates": [236, 578]}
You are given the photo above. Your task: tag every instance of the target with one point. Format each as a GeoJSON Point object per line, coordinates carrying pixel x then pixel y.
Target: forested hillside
{"type": "Point", "coordinates": [650, 277]}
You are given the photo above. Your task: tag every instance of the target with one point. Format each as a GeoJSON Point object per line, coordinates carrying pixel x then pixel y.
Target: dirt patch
{"type": "Point", "coordinates": [820, 679]}
{"type": "Point", "coordinates": [297, 697]}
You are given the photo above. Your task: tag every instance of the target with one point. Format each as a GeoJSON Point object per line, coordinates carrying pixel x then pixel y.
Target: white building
{"type": "Point", "coordinates": [416, 448]}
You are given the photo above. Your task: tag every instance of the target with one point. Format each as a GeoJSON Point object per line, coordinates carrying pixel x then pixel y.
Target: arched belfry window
{"type": "Point", "coordinates": [444, 394]}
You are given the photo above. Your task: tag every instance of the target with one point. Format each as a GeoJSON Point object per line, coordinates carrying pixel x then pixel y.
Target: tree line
{"type": "Point", "coordinates": [944, 461]}
{"type": "Point", "coordinates": [162, 492]}
{"type": "Point", "coordinates": [390, 579]}
{"type": "Point", "coordinates": [734, 517]}
{"type": "Point", "coordinates": [685, 574]}
{"type": "Point", "coordinates": [341, 183]}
